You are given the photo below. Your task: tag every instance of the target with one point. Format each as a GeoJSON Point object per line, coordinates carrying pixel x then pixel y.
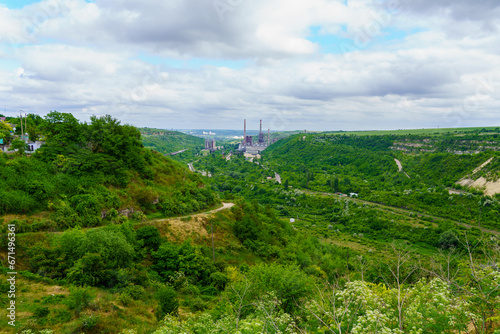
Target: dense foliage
{"type": "Point", "coordinates": [165, 141]}
{"type": "Point", "coordinates": [87, 172]}
{"type": "Point", "coordinates": [300, 256]}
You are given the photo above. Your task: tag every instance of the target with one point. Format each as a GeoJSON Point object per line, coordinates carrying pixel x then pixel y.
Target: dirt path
{"type": "Point", "coordinates": [393, 209]}
{"type": "Point", "coordinates": [203, 214]}
{"type": "Point", "coordinates": [490, 187]}
{"type": "Point", "coordinates": [192, 169]}
{"type": "Point", "coordinates": [481, 167]}
{"type": "Point", "coordinates": [176, 219]}
{"type": "Point", "coordinates": [224, 206]}
{"type": "Point", "coordinates": [400, 166]}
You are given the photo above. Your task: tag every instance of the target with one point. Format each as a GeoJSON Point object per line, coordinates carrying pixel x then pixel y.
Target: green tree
{"type": "Point", "coordinates": [19, 145]}
{"type": "Point", "coordinates": [448, 239]}
{"type": "Point", "coordinates": [79, 299]}
{"type": "Point", "coordinates": [106, 135]}
{"type": "Point", "coordinates": [150, 236]}
{"type": "Point", "coordinates": [336, 185]}
{"type": "Point", "coordinates": [33, 127]}
{"type": "Point", "coordinates": [113, 246]}
{"type": "Point", "coordinates": [62, 129]}
{"type": "Point", "coordinates": [90, 270]}
{"type": "Point", "coordinates": [167, 302]}
{"type": "Point", "coordinates": [287, 282]}
{"type": "Point", "coordinates": [5, 130]}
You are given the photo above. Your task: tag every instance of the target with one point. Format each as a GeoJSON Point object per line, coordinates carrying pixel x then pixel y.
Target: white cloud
{"type": "Point", "coordinates": [83, 58]}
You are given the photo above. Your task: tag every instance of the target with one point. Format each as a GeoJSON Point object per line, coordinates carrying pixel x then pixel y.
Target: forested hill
{"type": "Point", "coordinates": [86, 173]}
{"type": "Point", "coordinates": [433, 167]}
{"type": "Point", "coordinates": [166, 141]}
{"type": "Point", "coordinates": [429, 160]}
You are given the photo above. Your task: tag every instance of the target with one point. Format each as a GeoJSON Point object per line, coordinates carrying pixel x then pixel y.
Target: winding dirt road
{"type": "Point", "coordinates": [400, 166]}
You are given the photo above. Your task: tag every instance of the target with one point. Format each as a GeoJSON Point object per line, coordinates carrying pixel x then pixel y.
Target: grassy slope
{"type": "Point", "coordinates": [415, 131]}
{"type": "Point", "coordinates": [166, 141]}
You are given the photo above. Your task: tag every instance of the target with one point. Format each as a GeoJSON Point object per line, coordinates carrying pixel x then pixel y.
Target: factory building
{"type": "Point", "coordinates": [251, 146]}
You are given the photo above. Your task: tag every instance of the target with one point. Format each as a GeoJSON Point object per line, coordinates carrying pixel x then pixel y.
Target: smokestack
{"type": "Point", "coordinates": [260, 126]}
{"type": "Point", "coordinates": [245, 131]}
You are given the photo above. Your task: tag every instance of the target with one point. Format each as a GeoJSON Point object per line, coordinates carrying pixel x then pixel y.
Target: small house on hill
{"type": "Point", "coordinates": [33, 146]}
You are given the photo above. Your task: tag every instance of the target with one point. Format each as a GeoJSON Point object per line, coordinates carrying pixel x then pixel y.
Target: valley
{"type": "Point", "coordinates": [134, 241]}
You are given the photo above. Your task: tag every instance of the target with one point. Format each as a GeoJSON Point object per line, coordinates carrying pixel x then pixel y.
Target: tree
{"type": "Point", "coordinates": [167, 302]}
{"type": "Point", "coordinates": [401, 271]}
{"type": "Point", "coordinates": [4, 126]}
{"type": "Point", "coordinates": [123, 142]}
{"type": "Point", "coordinates": [285, 185]}
{"type": "Point", "coordinates": [336, 185]}
{"type": "Point", "coordinates": [150, 236]}
{"type": "Point", "coordinates": [288, 283]}
{"type": "Point", "coordinates": [62, 129]}
{"type": "Point", "coordinates": [90, 270]}
{"type": "Point", "coordinates": [33, 127]}
{"type": "Point", "coordinates": [113, 247]}
{"type": "Point", "coordinates": [19, 145]}
{"type": "Point", "coordinates": [448, 239]}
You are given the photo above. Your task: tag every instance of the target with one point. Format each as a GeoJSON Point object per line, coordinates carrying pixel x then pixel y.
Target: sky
{"type": "Point", "coordinates": [295, 64]}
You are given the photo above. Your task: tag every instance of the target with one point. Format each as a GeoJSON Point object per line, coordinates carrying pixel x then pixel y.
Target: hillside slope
{"type": "Point", "coordinates": [166, 141]}
{"type": "Point", "coordinates": [86, 173]}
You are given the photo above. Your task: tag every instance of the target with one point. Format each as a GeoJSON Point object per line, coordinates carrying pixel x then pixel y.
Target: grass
{"type": "Point", "coordinates": [412, 131]}
{"type": "Point", "coordinates": [40, 306]}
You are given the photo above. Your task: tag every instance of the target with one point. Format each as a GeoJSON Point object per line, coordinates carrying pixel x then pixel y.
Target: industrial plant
{"type": "Point", "coordinates": [251, 146]}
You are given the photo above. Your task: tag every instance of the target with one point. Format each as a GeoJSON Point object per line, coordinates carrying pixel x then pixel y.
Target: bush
{"type": "Point", "coordinates": [90, 321]}
{"type": "Point", "coordinates": [79, 299]}
{"type": "Point", "coordinates": [90, 270]}
{"type": "Point", "coordinates": [135, 291]}
{"type": "Point", "coordinates": [167, 302]}
{"type": "Point", "coordinates": [150, 236]}
{"type": "Point", "coordinates": [448, 239]}
{"type": "Point", "coordinates": [41, 312]}
{"type": "Point", "coordinates": [125, 299]}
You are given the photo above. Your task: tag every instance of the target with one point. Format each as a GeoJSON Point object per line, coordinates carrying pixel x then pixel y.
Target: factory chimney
{"type": "Point", "coordinates": [244, 132]}
{"type": "Point", "coordinates": [260, 126]}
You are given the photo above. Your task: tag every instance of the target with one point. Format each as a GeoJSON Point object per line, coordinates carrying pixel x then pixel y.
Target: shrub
{"type": "Point", "coordinates": [448, 239]}
{"type": "Point", "coordinates": [79, 299]}
{"type": "Point", "coordinates": [90, 321]}
{"type": "Point", "coordinates": [167, 302]}
{"type": "Point", "coordinates": [124, 298]}
{"type": "Point", "coordinates": [135, 291]}
{"type": "Point", "coordinates": [150, 237]}
{"type": "Point", "coordinates": [41, 312]}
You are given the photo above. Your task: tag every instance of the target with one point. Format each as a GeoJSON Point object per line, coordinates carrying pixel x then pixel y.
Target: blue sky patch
{"type": "Point", "coordinates": [17, 4]}
{"type": "Point", "coordinates": [343, 42]}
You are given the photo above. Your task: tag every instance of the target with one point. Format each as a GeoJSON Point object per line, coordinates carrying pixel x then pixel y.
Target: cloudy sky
{"type": "Point", "coordinates": [295, 64]}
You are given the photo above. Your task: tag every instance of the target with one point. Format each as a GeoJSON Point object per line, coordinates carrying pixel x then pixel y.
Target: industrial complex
{"type": "Point", "coordinates": [250, 145]}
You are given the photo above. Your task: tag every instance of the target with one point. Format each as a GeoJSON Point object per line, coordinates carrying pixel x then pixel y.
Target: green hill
{"type": "Point", "coordinates": [87, 171]}
{"type": "Point", "coordinates": [74, 206]}
{"type": "Point", "coordinates": [406, 256]}
{"type": "Point", "coordinates": [166, 141]}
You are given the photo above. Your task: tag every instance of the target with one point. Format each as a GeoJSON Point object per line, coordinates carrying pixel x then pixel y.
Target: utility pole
{"type": "Point", "coordinates": [21, 118]}
{"type": "Point", "coordinates": [26, 124]}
